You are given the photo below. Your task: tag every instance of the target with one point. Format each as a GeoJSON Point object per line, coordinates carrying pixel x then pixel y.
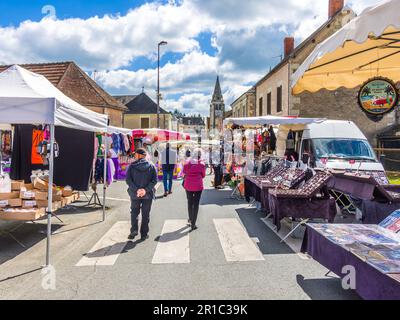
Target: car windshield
{"type": "Point", "coordinates": [343, 149]}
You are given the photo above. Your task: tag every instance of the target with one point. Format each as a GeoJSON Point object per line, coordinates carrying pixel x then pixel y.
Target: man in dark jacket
{"type": "Point", "coordinates": [141, 179]}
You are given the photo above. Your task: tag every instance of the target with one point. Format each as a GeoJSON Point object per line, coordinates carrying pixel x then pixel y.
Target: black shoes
{"type": "Point", "coordinates": [132, 235]}
{"type": "Point", "coordinates": [194, 228]}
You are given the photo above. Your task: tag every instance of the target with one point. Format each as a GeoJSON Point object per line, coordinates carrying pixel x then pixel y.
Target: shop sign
{"type": "Point", "coordinates": [378, 96]}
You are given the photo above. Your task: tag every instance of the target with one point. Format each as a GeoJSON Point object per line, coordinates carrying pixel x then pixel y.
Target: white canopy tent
{"type": "Point", "coordinates": [29, 98]}
{"type": "Point", "coordinates": [116, 130]}
{"type": "Point", "coordinates": [366, 47]}
{"type": "Point", "coordinates": [285, 124]}
{"type": "Point", "coordinates": [269, 120]}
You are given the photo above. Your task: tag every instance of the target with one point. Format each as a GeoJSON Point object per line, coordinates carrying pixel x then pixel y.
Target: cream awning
{"type": "Point", "coordinates": [367, 47]}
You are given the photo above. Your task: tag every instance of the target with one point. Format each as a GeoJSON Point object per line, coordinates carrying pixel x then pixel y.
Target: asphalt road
{"type": "Point", "coordinates": [239, 259]}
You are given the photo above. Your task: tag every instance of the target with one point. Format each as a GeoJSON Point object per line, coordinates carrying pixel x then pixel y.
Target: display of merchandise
{"type": "Point", "coordinates": [376, 245]}
{"type": "Point", "coordinates": [379, 176]}
{"type": "Point", "coordinates": [42, 174]}
{"type": "Point", "coordinates": [392, 222]}
{"type": "Point", "coordinates": [390, 193]}
{"type": "Point", "coordinates": [308, 190]}
{"type": "Point", "coordinates": [5, 144]}
{"type": "Point", "coordinates": [28, 202]}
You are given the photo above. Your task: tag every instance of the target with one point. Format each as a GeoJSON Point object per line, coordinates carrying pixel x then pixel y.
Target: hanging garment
{"type": "Point", "coordinates": [72, 167]}
{"type": "Point", "coordinates": [37, 139]}
{"type": "Point", "coordinates": [100, 142]}
{"type": "Point", "coordinates": [115, 142]}
{"type": "Point", "coordinates": [126, 144]}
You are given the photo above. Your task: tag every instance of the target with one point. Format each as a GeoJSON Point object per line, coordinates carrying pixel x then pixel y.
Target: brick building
{"type": "Point", "coordinates": [274, 96]}
{"type": "Point", "coordinates": [76, 84]}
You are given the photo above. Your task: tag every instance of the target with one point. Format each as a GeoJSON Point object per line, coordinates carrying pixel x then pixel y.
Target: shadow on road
{"type": "Point", "coordinates": [20, 275]}
{"type": "Point", "coordinates": [325, 289]}
{"type": "Point", "coordinates": [28, 234]}
{"type": "Point", "coordinates": [219, 198]}
{"type": "Point", "coordinates": [172, 236]}
{"type": "Point", "coordinates": [269, 242]}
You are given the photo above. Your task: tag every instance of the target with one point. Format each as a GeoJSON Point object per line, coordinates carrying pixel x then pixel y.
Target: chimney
{"type": "Point", "coordinates": [335, 6]}
{"type": "Point", "coordinates": [288, 46]}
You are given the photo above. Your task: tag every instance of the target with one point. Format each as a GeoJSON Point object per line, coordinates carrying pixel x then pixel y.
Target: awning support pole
{"type": "Point", "coordinates": [50, 193]}
{"type": "Point", "coordinates": [105, 177]}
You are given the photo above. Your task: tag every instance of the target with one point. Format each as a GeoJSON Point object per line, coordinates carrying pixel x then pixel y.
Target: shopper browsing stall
{"type": "Point", "coordinates": [194, 171]}
{"type": "Point", "coordinates": [168, 161]}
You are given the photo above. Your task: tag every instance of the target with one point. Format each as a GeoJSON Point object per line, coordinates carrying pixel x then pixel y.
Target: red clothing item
{"type": "Point", "coordinates": [195, 172]}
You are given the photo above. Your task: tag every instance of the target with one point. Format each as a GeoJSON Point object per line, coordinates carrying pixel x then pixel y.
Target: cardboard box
{"type": "Point", "coordinates": [22, 214]}
{"type": "Point", "coordinates": [67, 193]}
{"type": "Point", "coordinates": [68, 200]}
{"type": "Point", "coordinates": [17, 185]}
{"type": "Point", "coordinates": [27, 195]}
{"type": "Point", "coordinates": [42, 185]}
{"type": "Point", "coordinates": [29, 204]}
{"type": "Point", "coordinates": [28, 186]}
{"type": "Point", "coordinates": [9, 195]}
{"type": "Point", "coordinates": [43, 195]}
{"type": "Point", "coordinates": [11, 203]}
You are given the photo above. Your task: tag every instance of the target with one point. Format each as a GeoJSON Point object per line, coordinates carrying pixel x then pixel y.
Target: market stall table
{"type": "Point", "coordinates": [304, 203]}
{"type": "Point", "coordinates": [371, 283]}
{"type": "Point", "coordinates": [386, 200]}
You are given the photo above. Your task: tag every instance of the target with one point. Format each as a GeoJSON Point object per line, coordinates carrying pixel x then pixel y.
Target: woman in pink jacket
{"type": "Point", "coordinates": [194, 172]}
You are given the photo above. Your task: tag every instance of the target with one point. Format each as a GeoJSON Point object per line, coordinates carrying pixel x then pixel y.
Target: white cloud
{"type": "Point", "coordinates": [193, 103]}
{"type": "Point", "coordinates": [104, 43]}
{"type": "Point", "coordinates": [247, 35]}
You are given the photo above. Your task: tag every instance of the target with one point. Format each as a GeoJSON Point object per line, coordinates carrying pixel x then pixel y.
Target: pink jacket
{"type": "Point", "coordinates": [194, 172]}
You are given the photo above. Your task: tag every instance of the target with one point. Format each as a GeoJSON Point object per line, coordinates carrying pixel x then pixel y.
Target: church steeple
{"type": "Point", "coordinates": [217, 95]}
{"type": "Point", "coordinates": [217, 107]}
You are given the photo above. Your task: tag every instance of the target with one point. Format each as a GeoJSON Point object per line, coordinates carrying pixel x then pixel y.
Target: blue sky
{"type": "Point", "coordinates": [238, 40]}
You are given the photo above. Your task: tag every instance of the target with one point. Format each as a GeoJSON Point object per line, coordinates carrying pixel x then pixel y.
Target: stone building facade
{"type": "Point", "coordinates": [245, 105]}
{"type": "Point", "coordinates": [273, 92]}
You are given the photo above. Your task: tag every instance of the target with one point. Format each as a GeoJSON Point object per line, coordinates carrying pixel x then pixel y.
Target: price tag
{"type": "Point", "coordinates": [3, 203]}
{"type": "Point", "coordinates": [28, 194]}
{"type": "Point", "coordinates": [30, 203]}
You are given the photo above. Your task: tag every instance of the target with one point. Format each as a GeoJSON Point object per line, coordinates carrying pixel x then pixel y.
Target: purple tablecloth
{"type": "Point", "coordinates": [252, 189]}
{"type": "Point", "coordinates": [374, 212]}
{"type": "Point", "coordinates": [315, 208]}
{"type": "Point", "coordinates": [371, 284]}
{"type": "Point", "coordinates": [347, 185]}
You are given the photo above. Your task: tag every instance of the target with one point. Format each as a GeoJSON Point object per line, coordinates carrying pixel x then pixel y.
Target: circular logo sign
{"type": "Point", "coordinates": [378, 96]}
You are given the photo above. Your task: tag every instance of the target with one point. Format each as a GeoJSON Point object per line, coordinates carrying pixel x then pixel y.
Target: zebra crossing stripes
{"type": "Point", "coordinates": [235, 242]}
{"type": "Point", "coordinates": [173, 244]}
{"type": "Point", "coordinates": [107, 250]}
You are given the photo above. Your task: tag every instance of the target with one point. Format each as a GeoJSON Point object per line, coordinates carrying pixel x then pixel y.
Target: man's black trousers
{"type": "Point", "coordinates": [137, 206]}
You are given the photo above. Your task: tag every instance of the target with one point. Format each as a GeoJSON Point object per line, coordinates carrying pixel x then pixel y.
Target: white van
{"type": "Point", "coordinates": [339, 144]}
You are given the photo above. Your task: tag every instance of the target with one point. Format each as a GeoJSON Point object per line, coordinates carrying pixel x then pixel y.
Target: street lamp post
{"type": "Point", "coordinates": [162, 43]}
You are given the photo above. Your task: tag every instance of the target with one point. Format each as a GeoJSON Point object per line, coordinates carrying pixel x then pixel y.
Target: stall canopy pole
{"type": "Point", "coordinates": [105, 177]}
{"type": "Point", "coordinates": [50, 193]}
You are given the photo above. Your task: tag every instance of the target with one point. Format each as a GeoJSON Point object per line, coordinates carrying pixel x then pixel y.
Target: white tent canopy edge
{"type": "Point", "coordinates": [29, 98]}
{"type": "Point", "coordinates": [361, 35]}
{"type": "Point", "coordinates": [270, 120]}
